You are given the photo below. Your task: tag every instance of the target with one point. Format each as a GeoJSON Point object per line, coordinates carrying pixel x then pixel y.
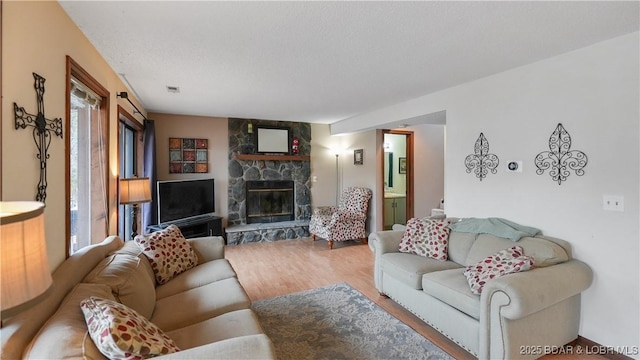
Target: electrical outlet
{"type": "Point", "coordinates": [613, 202]}
{"type": "Point", "coordinates": [314, 178]}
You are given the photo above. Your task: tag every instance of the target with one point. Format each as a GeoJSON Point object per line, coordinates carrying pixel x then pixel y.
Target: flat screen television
{"type": "Point", "coordinates": [185, 199]}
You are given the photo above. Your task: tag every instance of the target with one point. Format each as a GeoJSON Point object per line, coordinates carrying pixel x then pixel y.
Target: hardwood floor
{"type": "Point", "coordinates": [267, 270]}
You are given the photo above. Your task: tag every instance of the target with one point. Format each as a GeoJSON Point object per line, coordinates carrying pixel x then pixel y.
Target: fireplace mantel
{"type": "Point", "coordinates": [272, 157]}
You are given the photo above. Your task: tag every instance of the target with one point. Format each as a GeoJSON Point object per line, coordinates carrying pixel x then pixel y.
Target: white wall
{"type": "Point", "coordinates": [594, 92]}
{"type": "Point", "coordinates": [323, 166]}
{"type": "Point", "coordinates": [363, 175]}
{"type": "Point", "coordinates": [428, 157]}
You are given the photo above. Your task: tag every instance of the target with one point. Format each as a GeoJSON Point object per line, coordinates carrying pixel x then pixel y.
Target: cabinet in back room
{"type": "Point", "coordinates": [394, 210]}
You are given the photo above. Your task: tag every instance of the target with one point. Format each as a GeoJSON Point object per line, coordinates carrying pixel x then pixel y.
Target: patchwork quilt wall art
{"type": "Point", "coordinates": [188, 155]}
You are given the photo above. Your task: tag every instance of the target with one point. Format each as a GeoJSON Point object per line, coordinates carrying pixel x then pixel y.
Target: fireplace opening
{"type": "Point", "coordinates": [269, 201]}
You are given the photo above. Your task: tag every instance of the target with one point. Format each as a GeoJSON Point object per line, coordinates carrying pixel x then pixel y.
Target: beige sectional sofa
{"type": "Point", "coordinates": [204, 310]}
{"type": "Point", "coordinates": [516, 316]}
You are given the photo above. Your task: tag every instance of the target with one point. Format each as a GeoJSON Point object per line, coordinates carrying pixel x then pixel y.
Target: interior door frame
{"type": "Point", "coordinates": [410, 168]}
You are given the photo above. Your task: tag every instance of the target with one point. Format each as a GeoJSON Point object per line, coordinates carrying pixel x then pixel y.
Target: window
{"type": "Point", "coordinates": [129, 143]}
{"type": "Point", "coordinates": [87, 185]}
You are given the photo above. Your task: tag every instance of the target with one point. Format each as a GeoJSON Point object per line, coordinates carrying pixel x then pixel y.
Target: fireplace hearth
{"type": "Point", "coordinates": [269, 201]}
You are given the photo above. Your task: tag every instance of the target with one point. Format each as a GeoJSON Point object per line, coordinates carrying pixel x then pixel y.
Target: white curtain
{"type": "Point", "coordinates": [89, 156]}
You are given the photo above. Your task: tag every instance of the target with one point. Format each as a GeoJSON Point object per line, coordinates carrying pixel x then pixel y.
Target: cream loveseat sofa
{"type": "Point", "coordinates": [204, 310]}
{"type": "Point", "coordinates": [516, 316]}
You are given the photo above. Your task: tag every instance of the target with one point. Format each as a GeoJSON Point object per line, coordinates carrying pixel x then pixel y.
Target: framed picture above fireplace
{"type": "Point", "coordinates": [272, 140]}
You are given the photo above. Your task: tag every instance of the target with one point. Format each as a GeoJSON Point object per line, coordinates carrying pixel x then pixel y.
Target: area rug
{"type": "Point", "coordinates": [338, 322]}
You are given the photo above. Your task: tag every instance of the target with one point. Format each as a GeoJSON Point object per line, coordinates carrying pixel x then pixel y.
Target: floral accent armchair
{"type": "Point", "coordinates": [345, 222]}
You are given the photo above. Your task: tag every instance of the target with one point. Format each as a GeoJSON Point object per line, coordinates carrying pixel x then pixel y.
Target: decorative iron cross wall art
{"type": "Point", "coordinates": [560, 159]}
{"type": "Point", "coordinates": [481, 162]}
{"type": "Point", "coordinates": [42, 129]}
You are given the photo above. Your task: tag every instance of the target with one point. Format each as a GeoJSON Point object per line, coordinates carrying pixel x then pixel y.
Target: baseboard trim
{"type": "Point", "coordinates": [592, 347]}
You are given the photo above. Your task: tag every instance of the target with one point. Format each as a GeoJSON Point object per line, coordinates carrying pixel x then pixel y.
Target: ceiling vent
{"type": "Point", "coordinates": [173, 89]}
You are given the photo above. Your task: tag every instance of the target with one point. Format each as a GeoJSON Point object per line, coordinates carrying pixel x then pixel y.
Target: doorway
{"type": "Point", "coordinates": [397, 193]}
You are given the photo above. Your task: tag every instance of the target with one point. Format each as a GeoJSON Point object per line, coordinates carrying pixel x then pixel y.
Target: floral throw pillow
{"type": "Point", "coordinates": [426, 237]}
{"type": "Point", "coordinates": [503, 262]}
{"type": "Point", "coordinates": [168, 251]}
{"type": "Point", "coordinates": [121, 333]}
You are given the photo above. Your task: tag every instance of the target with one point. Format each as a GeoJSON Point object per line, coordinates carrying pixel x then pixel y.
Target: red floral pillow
{"type": "Point", "coordinates": [503, 262]}
{"type": "Point", "coordinates": [426, 237]}
{"type": "Point", "coordinates": [121, 333]}
{"type": "Point", "coordinates": [168, 251]}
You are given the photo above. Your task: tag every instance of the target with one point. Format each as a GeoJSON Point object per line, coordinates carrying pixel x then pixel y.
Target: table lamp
{"type": "Point", "coordinates": [24, 265]}
{"type": "Point", "coordinates": [135, 191]}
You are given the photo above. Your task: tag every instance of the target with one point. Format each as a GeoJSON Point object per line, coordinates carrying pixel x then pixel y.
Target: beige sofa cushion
{"type": "Point", "coordinates": [459, 245]}
{"type": "Point", "coordinates": [208, 248]}
{"type": "Point", "coordinates": [226, 326]}
{"type": "Point", "coordinates": [544, 252]}
{"type": "Point", "coordinates": [131, 248]}
{"type": "Point", "coordinates": [130, 282]}
{"type": "Point", "coordinates": [65, 333]}
{"type": "Point", "coordinates": [451, 287]}
{"type": "Point", "coordinates": [198, 304]}
{"type": "Point", "coordinates": [250, 347]}
{"type": "Point", "coordinates": [200, 275]}
{"type": "Point", "coordinates": [409, 268]}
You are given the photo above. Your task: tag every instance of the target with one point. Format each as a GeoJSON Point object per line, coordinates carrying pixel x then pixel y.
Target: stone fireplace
{"type": "Point", "coordinates": [269, 201]}
{"type": "Point", "coordinates": [246, 224]}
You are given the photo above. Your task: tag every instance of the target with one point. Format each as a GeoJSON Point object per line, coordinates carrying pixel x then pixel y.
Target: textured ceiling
{"type": "Point", "coordinates": [327, 61]}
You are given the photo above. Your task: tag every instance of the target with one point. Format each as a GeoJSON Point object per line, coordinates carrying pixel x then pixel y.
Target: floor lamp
{"type": "Point", "coordinates": [135, 191]}
{"type": "Point", "coordinates": [26, 275]}
{"type": "Point", "coordinates": [337, 179]}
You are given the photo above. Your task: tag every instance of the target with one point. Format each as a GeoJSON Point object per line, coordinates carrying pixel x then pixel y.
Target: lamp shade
{"type": "Point", "coordinates": [24, 265]}
{"type": "Point", "coordinates": [135, 190]}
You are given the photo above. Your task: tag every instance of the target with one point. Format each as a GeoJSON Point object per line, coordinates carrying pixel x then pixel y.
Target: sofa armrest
{"type": "Point", "coordinates": [386, 241]}
{"type": "Point", "coordinates": [208, 248]}
{"type": "Point", "coordinates": [531, 291]}
{"type": "Point", "coordinates": [244, 347]}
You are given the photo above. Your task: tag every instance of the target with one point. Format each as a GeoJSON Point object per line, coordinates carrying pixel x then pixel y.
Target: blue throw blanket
{"type": "Point", "coordinates": [495, 226]}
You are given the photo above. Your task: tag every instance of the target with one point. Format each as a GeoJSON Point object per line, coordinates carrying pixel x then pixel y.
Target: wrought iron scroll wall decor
{"type": "Point", "coordinates": [481, 161]}
{"type": "Point", "coordinates": [560, 159]}
{"type": "Point", "coordinates": [42, 129]}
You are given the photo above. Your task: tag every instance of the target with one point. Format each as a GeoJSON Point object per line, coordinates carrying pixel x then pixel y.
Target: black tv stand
{"type": "Point", "coordinates": [194, 227]}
